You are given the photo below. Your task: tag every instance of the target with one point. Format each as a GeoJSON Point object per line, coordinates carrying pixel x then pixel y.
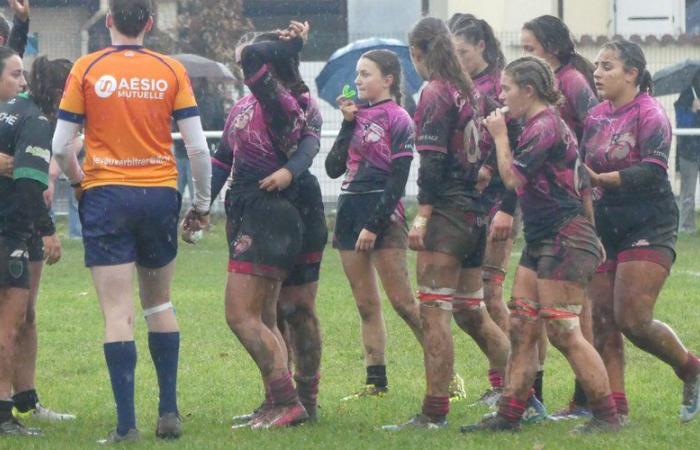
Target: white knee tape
{"type": "Point", "coordinates": [157, 309]}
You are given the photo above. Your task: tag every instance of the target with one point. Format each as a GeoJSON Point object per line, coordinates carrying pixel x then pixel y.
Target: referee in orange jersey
{"type": "Point", "coordinates": [125, 98]}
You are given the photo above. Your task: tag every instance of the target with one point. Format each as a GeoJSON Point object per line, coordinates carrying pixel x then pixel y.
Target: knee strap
{"type": "Point", "coordinates": [564, 316]}
{"type": "Point", "coordinates": [491, 275]}
{"type": "Point", "coordinates": [471, 301]}
{"type": "Point", "coordinates": [524, 308]}
{"type": "Point", "coordinates": [436, 298]}
{"type": "Point", "coordinates": [157, 309]}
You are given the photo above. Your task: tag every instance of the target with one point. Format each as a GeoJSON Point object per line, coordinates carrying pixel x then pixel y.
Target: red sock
{"type": "Point", "coordinates": [496, 379]}
{"type": "Point", "coordinates": [307, 388]}
{"type": "Point", "coordinates": [620, 398]}
{"type": "Point", "coordinates": [690, 369]}
{"type": "Point", "coordinates": [435, 407]}
{"type": "Point", "coordinates": [282, 391]}
{"type": "Point", "coordinates": [511, 408]}
{"type": "Point", "coordinates": [605, 409]}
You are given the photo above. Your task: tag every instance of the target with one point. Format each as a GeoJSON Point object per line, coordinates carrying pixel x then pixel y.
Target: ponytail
{"type": "Point", "coordinates": [46, 82]}
{"type": "Point", "coordinates": [434, 40]}
{"type": "Point", "coordinates": [645, 83]}
{"type": "Point", "coordinates": [535, 72]}
{"type": "Point", "coordinates": [584, 67]}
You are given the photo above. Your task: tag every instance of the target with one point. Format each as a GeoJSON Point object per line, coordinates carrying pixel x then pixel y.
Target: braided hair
{"type": "Point", "coordinates": [535, 72]}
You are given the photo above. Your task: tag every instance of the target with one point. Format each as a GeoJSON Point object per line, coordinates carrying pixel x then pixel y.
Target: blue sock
{"type": "Point", "coordinates": [165, 348]}
{"type": "Point", "coordinates": [121, 362]}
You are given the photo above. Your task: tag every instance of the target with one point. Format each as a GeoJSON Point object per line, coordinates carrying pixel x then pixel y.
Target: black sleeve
{"type": "Point", "coordinates": [509, 202]}
{"type": "Point", "coordinates": [30, 194]}
{"type": "Point", "coordinates": [338, 156]}
{"type": "Point", "coordinates": [221, 164]}
{"type": "Point", "coordinates": [641, 176]}
{"type": "Point", "coordinates": [393, 191]}
{"type": "Point", "coordinates": [255, 55]}
{"type": "Point", "coordinates": [303, 157]}
{"type": "Point", "coordinates": [430, 177]}
{"type": "Point", "coordinates": [281, 108]}
{"type": "Point", "coordinates": [33, 149]}
{"type": "Point", "coordinates": [18, 36]}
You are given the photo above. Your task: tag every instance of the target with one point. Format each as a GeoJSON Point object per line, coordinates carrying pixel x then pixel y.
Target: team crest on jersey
{"type": "Point", "coordinates": [620, 146]}
{"type": "Point", "coordinates": [16, 263]}
{"type": "Point", "coordinates": [242, 244]}
{"type": "Point", "coordinates": [373, 133]}
{"type": "Point", "coordinates": [243, 118]}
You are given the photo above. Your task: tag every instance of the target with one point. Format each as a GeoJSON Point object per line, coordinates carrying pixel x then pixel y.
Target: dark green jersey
{"type": "Point", "coordinates": [25, 134]}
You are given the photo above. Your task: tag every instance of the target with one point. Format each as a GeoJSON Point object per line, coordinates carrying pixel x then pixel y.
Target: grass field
{"type": "Point", "coordinates": [217, 379]}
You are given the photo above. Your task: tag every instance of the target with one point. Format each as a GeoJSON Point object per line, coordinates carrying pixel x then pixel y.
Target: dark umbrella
{"type": "Point", "coordinates": [201, 67]}
{"type": "Point", "coordinates": [340, 68]}
{"type": "Point", "coordinates": [675, 78]}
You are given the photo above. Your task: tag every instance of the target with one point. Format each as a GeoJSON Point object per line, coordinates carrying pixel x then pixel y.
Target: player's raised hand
{"type": "Point", "coordinates": [20, 8]}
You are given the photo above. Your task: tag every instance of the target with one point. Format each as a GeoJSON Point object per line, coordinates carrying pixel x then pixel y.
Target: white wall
{"type": "Point", "coordinates": [384, 18]}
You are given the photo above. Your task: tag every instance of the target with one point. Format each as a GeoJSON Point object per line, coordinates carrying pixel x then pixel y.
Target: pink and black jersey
{"type": "Point", "coordinates": [613, 140]}
{"type": "Point", "coordinates": [382, 132]}
{"type": "Point", "coordinates": [578, 95]}
{"type": "Point", "coordinates": [263, 129]}
{"type": "Point", "coordinates": [488, 83]}
{"type": "Point", "coordinates": [547, 161]}
{"type": "Point", "coordinates": [451, 125]}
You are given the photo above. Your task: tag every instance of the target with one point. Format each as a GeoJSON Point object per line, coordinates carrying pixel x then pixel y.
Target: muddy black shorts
{"type": "Point", "coordinates": [353, 213]}
{"type": "Point", "coordinates": [264, 232]}
{"type": "Point", "coordinates": [309, 202]}
{"type": "Point", "coordinates": [459, 233]}
{"type": "Point", "coordinates": [572, 255]}
{"type": "Point", "coordinates": [14, 263]}
{"type": "Point", "coordinates": [642, 232]}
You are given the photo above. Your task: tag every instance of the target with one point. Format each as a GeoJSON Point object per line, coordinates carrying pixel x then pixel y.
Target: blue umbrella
{"type": "Point", "coordinates": [340, 68]}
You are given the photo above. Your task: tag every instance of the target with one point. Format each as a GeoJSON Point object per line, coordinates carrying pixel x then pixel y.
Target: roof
{"type": "Point", "coordinates": [666, 39]}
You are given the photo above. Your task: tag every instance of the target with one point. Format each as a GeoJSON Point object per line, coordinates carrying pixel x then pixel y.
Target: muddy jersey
{"type": "Point", "coordinates": [547, 161]}
{"type": "Point", "coordinates": [488, 83]}
{"type": "Point", "coordinates": [382, 133]}
{"type": "Point", "coordinates": [25, 134]}
{"type": "Point", "coordinates": [263, 129]}
{"type": "Point", "coordinates": [638, 132]}
{"type": "Point", "coordinates": [579, 98]}
{"type": "Point", "coordinates": [448, 123]}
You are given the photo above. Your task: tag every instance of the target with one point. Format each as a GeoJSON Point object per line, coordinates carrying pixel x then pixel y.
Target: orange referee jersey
{"type": "Point", "coordinates": [127, 96]}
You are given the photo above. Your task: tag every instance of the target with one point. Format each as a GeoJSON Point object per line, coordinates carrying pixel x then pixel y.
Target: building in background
{"type": "Point", "coordinates": [71, 28]}
{"type": "Point", "coordinates": [592, 17]}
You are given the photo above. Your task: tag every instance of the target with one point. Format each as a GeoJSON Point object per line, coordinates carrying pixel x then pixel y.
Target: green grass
{"type": "Point", "coordinates": [217, 378]}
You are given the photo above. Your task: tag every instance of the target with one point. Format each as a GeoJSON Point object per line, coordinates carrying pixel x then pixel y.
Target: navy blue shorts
{"type": "Point", "coordinates": [123, 224]}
